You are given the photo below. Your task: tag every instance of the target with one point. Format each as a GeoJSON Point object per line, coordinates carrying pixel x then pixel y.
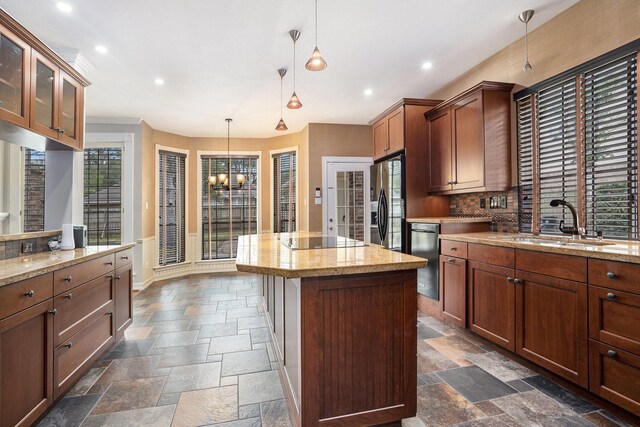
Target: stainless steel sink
{"type": "Point", "coordinates": [544, 240]}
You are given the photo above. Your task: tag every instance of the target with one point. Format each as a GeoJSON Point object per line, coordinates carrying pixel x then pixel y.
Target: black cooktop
{"type": "Point", "coordinates": [320, 242]}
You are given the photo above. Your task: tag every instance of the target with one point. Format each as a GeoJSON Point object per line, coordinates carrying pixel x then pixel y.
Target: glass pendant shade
{"type": "Point", "coordinates": [212, 180]}
{"type": "Point", "coordinates": [222, 177]}
{"type": "Point", "coordinates": [316, 62]}
{"type": "Point", "coordinates": [527, 67]}
{"type": "Point", "coordinates": [281, 125]}
{"type": "Point", "coordinates": [225, 183]}
{"type": "Point", "coordinates": [240, 179]}
{"type": "Point", "coordinates": [294, 102]}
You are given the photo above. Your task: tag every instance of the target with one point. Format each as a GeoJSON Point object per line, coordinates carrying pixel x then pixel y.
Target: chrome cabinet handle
{"type": "Point", "coordinates": [117, 277]}
{"type": "Point", "coordinates": [68, 296]}
{"type": "Point", "coordinates": [612, 353]}
{"type": "Point", "coordinates": [124, 257]}
{"type": "Point", "coordinates": [61, 131]}
{"type": "Point", "coordinates": [611, 295]}
{"type": "Point", "coordinates": [53, 312]}
{"type": "Point", "coordinates": [611, 275]}
{"type": "Point", "coordinates": [67, 279]}
{"type": "Point", "coordinates": [110, 263]}
{"type": "Point", "coordinates": [110, 276]}
{"type": "Point", "coordinates": [509, 279]}
{"type": "Point", "coordinates": [331, 227]}
{"type": "Point", "coordinates": [451, 260]}
{"type": "Point", "coordinates": [517, 281]}
{"type": "Point", "coordinates": [69, 345]}
{"type": "Point", "coordinates": [454, 248]}
{"type": "Point", "coordinates": [29, 294]}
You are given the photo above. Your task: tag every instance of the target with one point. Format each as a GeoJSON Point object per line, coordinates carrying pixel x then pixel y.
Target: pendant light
{"type": "Point", "coordinates": [526, 17]}
{"type": "Point", "coordinates": [316, 62]}
{"type": "Point", "coordinates": [223, 178]}
{"type": "Point", "coordinates": [294, 102]}
{"type": "Point", "coordinates": [281, 125]}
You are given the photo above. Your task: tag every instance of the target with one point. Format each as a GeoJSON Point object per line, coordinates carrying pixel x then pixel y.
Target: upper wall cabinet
{"type": "Point", "coordinates": [39, 91]}
{"type": "Point", "coordinates": [469, 148]}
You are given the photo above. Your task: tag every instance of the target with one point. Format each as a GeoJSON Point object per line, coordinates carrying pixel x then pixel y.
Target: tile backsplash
{"type": "Point", "coordinates": [10, 248]}
{"type": "Point", "coordinates": [503, 220]}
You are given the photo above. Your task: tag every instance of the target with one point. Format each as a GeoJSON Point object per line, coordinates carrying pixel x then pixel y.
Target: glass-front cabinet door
{"type": "Point", "coordinates": [14, 78]}
{"type": "Point", "coordinates": [44, 93]}
{"type": "Point", "coordinates": [70, 110]}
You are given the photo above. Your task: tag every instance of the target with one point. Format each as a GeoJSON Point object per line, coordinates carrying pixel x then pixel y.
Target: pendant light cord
{"type": "Point", "coordinates": [294, 66]}
{"type": "Point", "coordinates": [316, 23]}
{"type": "Point", "coordinates": [280, 97]}
{"type": "Point", "coordinates": [228, 149]}
{"type": "Point", "coordinates": [526, 41]}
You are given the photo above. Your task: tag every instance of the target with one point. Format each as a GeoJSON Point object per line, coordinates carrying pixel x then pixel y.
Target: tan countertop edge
{"type": "Point", "coordinates": [31, 235]}
{"type": "Point", "coordinates": [54, 264]}
{"type": "Point", "coordinates": [621, 251]}
{"type": "Point", "coordinates": [332, 271]}
{"type": "Point", "coordinates": [450, 220]}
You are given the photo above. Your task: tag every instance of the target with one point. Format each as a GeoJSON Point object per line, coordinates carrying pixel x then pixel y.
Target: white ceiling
{"type": "Point", "coordinates": [219, 57]}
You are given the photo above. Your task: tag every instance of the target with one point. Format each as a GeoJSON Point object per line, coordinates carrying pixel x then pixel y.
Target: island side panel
{"type": "Point", "coordinates": [358, 349]}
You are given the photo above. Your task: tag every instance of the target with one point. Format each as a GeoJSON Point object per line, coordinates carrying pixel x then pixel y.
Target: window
{"type": "Point", "coordinates": [284, 192]}
{"type": "Point", "coordinates": [227, 214]}
{"type": "Point", "coordinates": [171, 207]}
{"type": "Point", "coordinates": [33, 200]}
{"type": "Point", "coordinates": [578, 141]}
{"type": "Point", "coordinates": [103, 195]}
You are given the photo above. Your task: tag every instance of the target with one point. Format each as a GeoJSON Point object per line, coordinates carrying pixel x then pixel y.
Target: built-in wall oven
{"type": "Point", "coordinates": [424, 243]}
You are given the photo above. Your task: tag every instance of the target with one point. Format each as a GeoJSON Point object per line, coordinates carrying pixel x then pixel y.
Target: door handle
{"type": "Point", "coordinates": [331, 227]}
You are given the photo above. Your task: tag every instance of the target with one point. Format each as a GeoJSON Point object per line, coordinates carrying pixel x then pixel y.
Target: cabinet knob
{"type": "Point", "coordinates": [117, 277]}
{"type": "Point", "coordinates": [124, 257]}
{"type": "Point", "coordinates": [454, 249]}
{"type": "Point", "coordinates": [29, 294]}
{"type": "Point", "coordinates": [612, 353]}
{"type": "Point", "coordinates": [517, 281]}
{"type": "Point", "coordinates": [68, 296]}
{"type": "Point", "coordinates": [110, 263]}
{"type": "Point", "coordinates": [69, 345]}
{"type": "Point", "coordinates": [110, 313]}
{"type": "Point", "coordinates": [451, 260]}
{"type": "Point", "coordinates": [67, 279]}
{"type": "Point", "coordinates": [110, 276]}
{"type": "Point", "coordinates": [53, 312]}
{"type": "Point", "coordinates": [509, 279]}
{"type": "Point", "coordinates": [611, 295]}
{"type": "Point", "coordinates": [611, 275]}
{"type": "Point", "coordinates": [61, 131]}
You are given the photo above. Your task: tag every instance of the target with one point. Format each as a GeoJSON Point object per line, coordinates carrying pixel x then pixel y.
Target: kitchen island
{"type": "Point", "coordinates": [343, 322]}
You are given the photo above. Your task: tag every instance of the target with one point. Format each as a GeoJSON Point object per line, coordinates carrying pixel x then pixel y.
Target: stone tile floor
{"type": "Point", "coordinates": [199, 353]}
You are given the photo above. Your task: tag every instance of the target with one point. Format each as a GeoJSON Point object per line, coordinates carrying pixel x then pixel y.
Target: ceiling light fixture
{"type": "Point", "coordinates": [316, 62]}
{"type": "Point", "coordinates": [368, 92]}
{"type": "Point", "coordinates": [159, 81]}
{"type": "Point", "coordinates": [64, 7]}
{"type": "Point", "coordinates": [526, 17]}
{"type": "Point", "coordinates": [101, 49]}
{"type": "Point", "coordinates": [427, 65]}
{"type": "Point", "coordinates": [223, 178]}
{"type": "Point", "coordinates": [294, 102]}
{"type": "Point", "coordinates": [281, 124]}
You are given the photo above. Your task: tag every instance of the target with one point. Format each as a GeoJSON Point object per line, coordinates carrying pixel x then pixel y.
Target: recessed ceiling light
{"type": "Point", "coordinates": [159, 81]}
{"type": "Point", "coordinates": [64, 7]}
{"type": "Point", "coordinates": [101, 49]}
{"type": "Point", "coordinates": [368, 92]}
{"type": "Point", "coordinates": [427, 65]}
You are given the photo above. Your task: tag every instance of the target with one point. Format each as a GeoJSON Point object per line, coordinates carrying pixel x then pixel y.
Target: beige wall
{"type": "Point", "coordinates": [313, 142]}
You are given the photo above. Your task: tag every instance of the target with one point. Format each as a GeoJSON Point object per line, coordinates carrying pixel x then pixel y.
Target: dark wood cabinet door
{"type": "Point", "coordinates": [380, 139]}
{"type": "Point", "coordinates": [26, 360]}
{"type": "Point", "coordinates": [468, 137]}
{"type": "Point", "coordinates": [615, 375]}
{"type": "Point", "coordinates": [395, 126]}
{"type": "Point", "coordinates": [45, 78]}
{"type": "Point", "coordinates": [123, 290]}
{"type": "Point", "coordinates": [453, 289]}
{"type": "Point", "coordinates": [614, 317]}
{"type": "Point", "coordinates": [551, 324]}
{"type": "Point", "coordinates": [440, 152]}
{"type": "Point", "coordinates": [15, 73]}
{"type": "Point", "coordinates": [70, 111]}
{"type": "Point", "coordinates": [492, 302]}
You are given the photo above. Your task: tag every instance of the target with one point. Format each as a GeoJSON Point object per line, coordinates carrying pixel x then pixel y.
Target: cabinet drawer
{"type": "Point", "coordinates": [564, 266]}
{"type": "Point", "coordinates": [616, 275]}
{"type": "Point", "coordinates": [453, 248]}
{"type": "Point", "coordinates": [70, 277]}
{"type": "Point", "coordinates": [80, 306]}
{"type": "Point", "coordinates": [124, 257]}
{"type": "Point", "coordinates": [615, 375]}
{"type": "Point", "coordinates": [21, 295]}
{"type": "Point", "coordinates": [614, 317]}
{"type": "Point", "coordinates": [504, 257]}
{"type": "Point", "coordinates": [71, 358]}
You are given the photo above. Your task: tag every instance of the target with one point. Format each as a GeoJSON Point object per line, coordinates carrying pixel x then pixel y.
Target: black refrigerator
{"type": "Point", "coordinates": [388, 194]}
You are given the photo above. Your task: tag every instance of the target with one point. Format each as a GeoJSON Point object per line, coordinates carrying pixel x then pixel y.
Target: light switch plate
{"type": "Point", "coordinates": [27, 248]}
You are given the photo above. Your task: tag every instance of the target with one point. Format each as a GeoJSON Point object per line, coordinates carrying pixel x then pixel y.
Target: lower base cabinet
{"type": "Point", "coordinates": [123, 291]}
{"type": "Point", "coordinates": [26, 360]}
{"type": "Point", "coordinates": [453, 289]}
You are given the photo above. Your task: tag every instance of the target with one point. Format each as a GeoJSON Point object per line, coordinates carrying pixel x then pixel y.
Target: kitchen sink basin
{"type": "Point", "coordinates": [539, 240]}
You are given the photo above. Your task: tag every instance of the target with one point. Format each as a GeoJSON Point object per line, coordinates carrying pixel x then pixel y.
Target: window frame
{"type": "Point", "coordinates": [180, 152]}
{"type": "Point", "coordinates": [225, 154]}
{"type": "Point", "coordinates": [272, 153]}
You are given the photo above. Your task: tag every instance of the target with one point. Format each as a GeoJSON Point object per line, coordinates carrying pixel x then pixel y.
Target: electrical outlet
{"type": "Point", "coordinates": [27, 248]}
{"type": "Point", "coordinates": [483, 203]}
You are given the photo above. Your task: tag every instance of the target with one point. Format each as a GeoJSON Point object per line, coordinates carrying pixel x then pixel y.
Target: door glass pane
{"type": "Point", "coordinates": [68, 109]}
{"type": "Point", "coordinates": [44, 95]}
{"type": "Point", "coordinates": [350, 204]}
{"type": "Point", "coordinates": [34, 179]}
{"type": "Point", "coordinates": [102, 195]}
{"type": "Point", "coordinates": [11, 72]}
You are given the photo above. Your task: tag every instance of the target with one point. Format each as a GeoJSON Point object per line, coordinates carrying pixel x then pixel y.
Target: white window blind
{"type": "Point", "coordinates": [284, 192]}
{"type": "Point", "coordinates": [171, 207]}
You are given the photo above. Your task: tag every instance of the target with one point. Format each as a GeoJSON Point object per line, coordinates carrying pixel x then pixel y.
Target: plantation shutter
{"type": "Point", "coordinates": [525, 163]}
{"type": "Point", "coordinates": [557, 153]}
{"type": "Point", "coordinates": [171, 206]}
{"type": "Point", "coordinates": [284, 192]}
{"type": "Point", "coordinates": [611, 149]}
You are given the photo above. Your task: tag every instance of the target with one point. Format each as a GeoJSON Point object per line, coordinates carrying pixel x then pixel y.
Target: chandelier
{"type": "Point", "coordinates": [223, 178]}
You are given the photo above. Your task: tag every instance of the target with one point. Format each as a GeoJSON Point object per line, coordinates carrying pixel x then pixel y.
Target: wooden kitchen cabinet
{"type": "Point", "coordinates": [380, 139]}
{"type": "Point", "coordinates": [453, 289]}
{"type": "Point", "coordinates": [469, 141]}
{"type": "Point", "coordinates": [123, 291]}
{"type": "Point", "coordinates": [26, 364]}
{"type": "Point", "coordinates": [15, 77]}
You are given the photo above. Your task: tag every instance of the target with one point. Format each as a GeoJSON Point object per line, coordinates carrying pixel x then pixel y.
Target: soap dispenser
{"type": "Point", "coordinates": [68, 242]}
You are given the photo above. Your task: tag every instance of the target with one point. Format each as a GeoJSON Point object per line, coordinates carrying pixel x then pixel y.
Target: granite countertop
{"type": "Point", "coordinates": [266, 254]}
{"type": "Point", "coordinates": [21, 268]}
{"type": "Point", "coordinates": [617, 250]}
{"type": "Point", "coordinates": [449, 220]}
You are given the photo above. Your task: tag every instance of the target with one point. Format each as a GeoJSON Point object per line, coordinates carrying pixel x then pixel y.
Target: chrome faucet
{"type": "Point", "coordinates": [576, 231]}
